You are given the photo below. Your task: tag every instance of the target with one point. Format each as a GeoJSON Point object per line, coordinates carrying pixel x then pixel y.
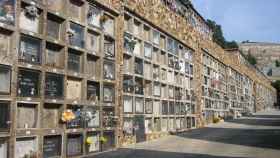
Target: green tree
{"type": "Point", "coordinates": [277, 63]}
{"type": "Point", "coordinates": [218, 36]}
{"type": "Point", "coordinates": [276, 84]}
{"type": "Point", "coordinates": [231, 44]}
{"type": "Point", "coordinates": [269, 73]}
{"type": "Point", "coordinates": [251, 59]}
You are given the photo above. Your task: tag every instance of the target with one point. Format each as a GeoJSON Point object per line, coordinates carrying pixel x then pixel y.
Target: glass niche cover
{"type": "Point", "coordinates": [28, 83]}
{"type": "Point", "coordinates": [109, 47]}
{"type": "Point", "coordinates": [108, 23]}
{"type": "Point", "coordinates": [74, 62]}
{"type": "Point", "coordinates": [54, 55]}
{"type": "Point", "coordinates": [7, 12]}
{"type": "Point", "coordinates": [27, 116]}
{"type": "Point", "coordinates": [74, 144]}
{"type": "Point", "coordinates": [93, 117]}
{"type": "Point", "coordinates": [76, 35]}
{"type": "Point", "coordinates": [4, 116]}
{"type": "Point", "coordinates": [26, 147]}
{"type": "Point", "coordinates": [5, 45]}
{"type": "Point", "coordinates": [128, 104]}
{"type": "Point", "coordinates": [3, 148]}
{"type": "Point", "coordinates": [30, 50]}
{"type": "Point", "coordinates": [5, 79]}
{"type": "Point", "coordinates": [108, 94]}
{"type": "Point", "coordinates": [95, 145]}
{"type": "Point", "coordinates": [54, 86]}
{"type": "Point", "coordinates": [94, 15]}
{"type": "Point", "coordinates": [93, 91]}
{"type": "Point", "coordinates": [52, 146]}
{"type": "Point", "coordinates": [77, 122]}
{"type": "Point", "coordinates": [110, 137]}
{"type": "Point", "coordinates": [53, 27]}
{"type": "Point", "coordinates": [109, 70]}
{"type": "Point", "coordinates": [76, 7]}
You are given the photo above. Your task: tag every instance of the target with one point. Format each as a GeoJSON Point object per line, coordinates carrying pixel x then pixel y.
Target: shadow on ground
{"type": "Point", "coordinates": [259, 120]}
{"type": "Point", "coordinates": [246, 137]}
{"type": "Point", "coordinates": [268, 116]}
{"type": "Point", "coordinates": [267, 138]}
{"type": "Point", "coordinates": [137, 153]}
{"type": "Point", "coordinates": [263, 138]}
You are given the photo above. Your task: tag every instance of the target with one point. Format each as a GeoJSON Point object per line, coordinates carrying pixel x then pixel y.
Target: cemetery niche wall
{"type": "Point", "coordinates": [151, 79]}
{"type": "Point", "coordinates": [58, 64]}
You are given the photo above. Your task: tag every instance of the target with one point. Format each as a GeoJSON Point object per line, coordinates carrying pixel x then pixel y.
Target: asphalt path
{"type": "Point", "coordinates": [247, 137]}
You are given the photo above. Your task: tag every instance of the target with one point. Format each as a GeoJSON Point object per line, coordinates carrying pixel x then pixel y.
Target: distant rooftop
{"type": "Point", "coordinates": [258, 43]}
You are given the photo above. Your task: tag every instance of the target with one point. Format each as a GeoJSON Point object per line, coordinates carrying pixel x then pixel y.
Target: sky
{"type": "Point", "coordinates": [241, 20]}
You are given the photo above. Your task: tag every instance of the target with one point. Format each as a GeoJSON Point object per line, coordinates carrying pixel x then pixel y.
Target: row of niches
{"type": "Point", "coordinates": [248, 91]}
{"type": "Point", "coordinates": [32, 17]}
{"type": "Point", "coordinates": [56, 86]}
{"type": "Point", "coordinates": [192, 17]}
{"type": "Point", "coordinates": [234, 84]}
{"type": "Point", "coordinates": [215, 78]}
{"type": "Point", "coordinates": [235, 89]}
{"type": "Point", "coordinates": [139, 33]}
{"type": "Point", "coordinates": [152, 125]}
{"type": "Point", "coordinates": [219, 90]}
{"type": "Point", "coordinates": [138, 48]}
{"type": "Point", "coordinates": [213, 63]}
{"type": "Point", "coordinates": [150, 71]}
{"type": "Point", "coordinates": [144, 87]}
{"type": "Point", "coordinates": [139, 105]}
{"type": "Point", "coordinates": [238, 97]}
{"type": "Point", "coordinates": [247, 82]}
{"type": "Point", "coordinates": [76, 144]}
{"type": "Point", "coordinates": [235, 77]}
{"type": "Point", "coordinates": [215, 104]}
{"type": "Point", "coordinates": [232, 96]}
{"type": "Point", "coordinates": [214, 93]}
{"type": "Point", "coordinates": [31, 50]}
{"type": "Point", "coordinates": [216, 87]}
{"type": "Point", "coordinates": [215, 84]}
{"type": "Point", "coordinates": [54, 116]}
{"type": "Point", "coordinates": [165, 62]}
{"type": "Point", "coordinates": [237, 104]}
{"type": "Point", "coordinates": [215, 74]}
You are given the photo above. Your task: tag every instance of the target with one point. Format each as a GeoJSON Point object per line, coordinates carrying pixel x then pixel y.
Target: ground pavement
{"type": "Point", "coordinates": [251, 137]}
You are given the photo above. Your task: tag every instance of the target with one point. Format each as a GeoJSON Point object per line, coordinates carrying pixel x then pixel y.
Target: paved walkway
{"type": "Point", "coordinates": [253, 137]}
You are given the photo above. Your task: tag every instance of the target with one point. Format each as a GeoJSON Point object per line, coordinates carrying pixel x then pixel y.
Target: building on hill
{"type": "Point", "coordinates": [266, 54]}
